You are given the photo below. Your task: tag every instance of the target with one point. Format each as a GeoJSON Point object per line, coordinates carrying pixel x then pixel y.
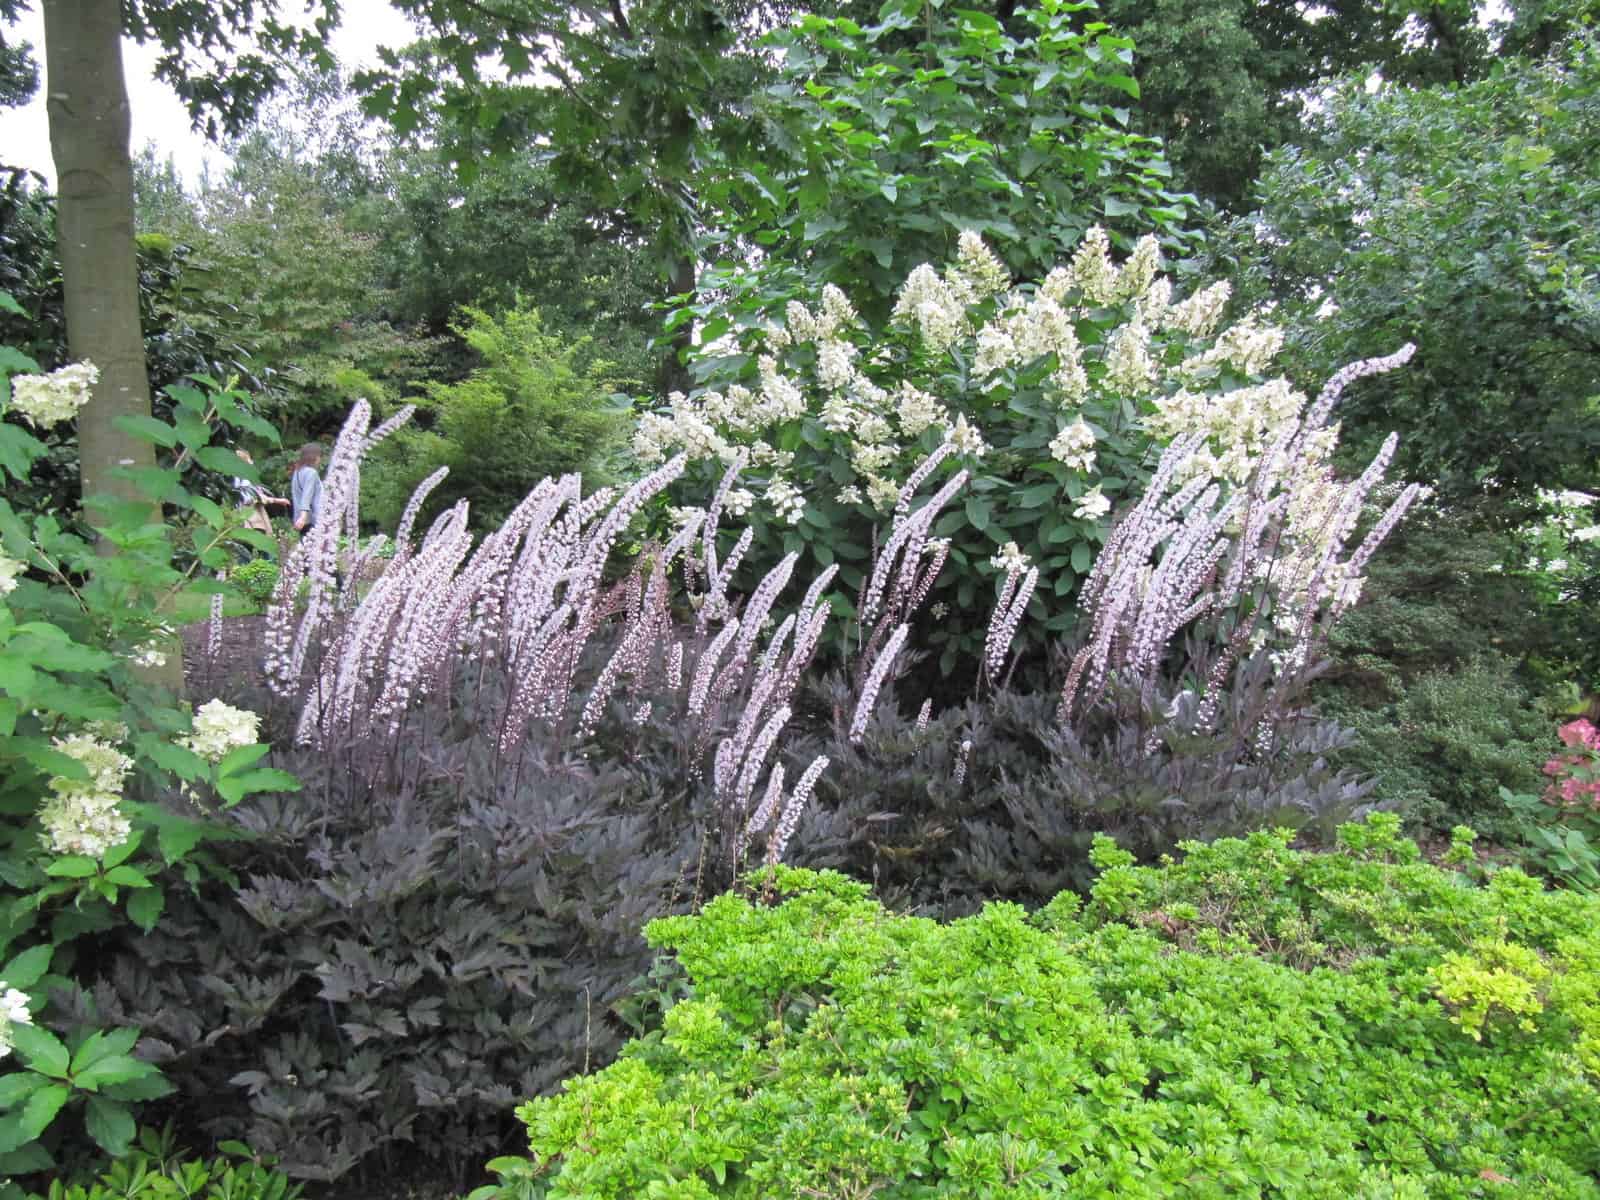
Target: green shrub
{"type": "Point", "coordinates": [1443, 748]}
{"type": "Point", "coordinates": [1438, 672]}
{"type": "Point", "coordinates": [255, 580]}
{"type": "Point", "coordinates": [1253, 1020]}
{"type": "Point", "coordinates": [537, 406]}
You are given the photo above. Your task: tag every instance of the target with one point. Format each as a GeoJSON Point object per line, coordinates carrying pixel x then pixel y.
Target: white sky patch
{"type": "Point", "coordinates": [158, 117]}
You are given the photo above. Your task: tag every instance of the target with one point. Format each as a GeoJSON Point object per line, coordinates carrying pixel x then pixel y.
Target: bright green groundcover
{"type": "Point", "coordinates": [1250, 1021]}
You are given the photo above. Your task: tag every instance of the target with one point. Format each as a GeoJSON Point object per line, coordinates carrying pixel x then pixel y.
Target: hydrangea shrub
{"type": "Point", "coordinates": [103, 772]}
{"type": "Point", "coordinates": [1057, 395]}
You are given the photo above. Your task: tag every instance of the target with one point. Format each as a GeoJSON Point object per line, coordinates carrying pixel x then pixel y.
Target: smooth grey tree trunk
{"type": "Point", "coordinates": [87, 102]}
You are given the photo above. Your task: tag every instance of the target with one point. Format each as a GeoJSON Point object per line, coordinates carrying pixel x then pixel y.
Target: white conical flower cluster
{"type": "Point", "coordinates": [82, 816]}
{"type": "Point", "coordinates": [220, 728]}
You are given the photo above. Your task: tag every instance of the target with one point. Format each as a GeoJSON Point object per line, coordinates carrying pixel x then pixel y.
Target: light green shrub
{"type": "Point", "coordinates": [1250, 1021]}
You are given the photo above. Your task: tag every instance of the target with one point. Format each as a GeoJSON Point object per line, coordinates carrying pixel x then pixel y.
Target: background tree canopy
{"type": "Point", "coordinates": [1467, 220]}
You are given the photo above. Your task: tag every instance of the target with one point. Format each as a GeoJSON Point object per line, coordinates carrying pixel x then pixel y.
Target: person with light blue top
{"type": "Point", "coordinates": [305, 489]}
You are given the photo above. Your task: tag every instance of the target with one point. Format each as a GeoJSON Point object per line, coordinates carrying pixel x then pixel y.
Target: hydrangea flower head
{"type": "Point", "coordinates": [219, 728]}
{"type": "Point", "coordinates": [10, 569]}
{"type": "Point", "coordinates": [46, 400]}
{"type": "Point", "coordinates": [13, 1011]}
{"type": "Point", "coordinates": [82, 815]}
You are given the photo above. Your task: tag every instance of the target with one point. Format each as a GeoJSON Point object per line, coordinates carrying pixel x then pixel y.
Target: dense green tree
{"type": "Point", "coordinates": [882, 143]}
{"type": "Point", "coordinates": [511, 232]}
{"type": "Point", "coordinates": [1465, 219]}
{"type": "Point", "coordinates": [621, 99]}
{"type": "Point", "coordinates": [1223, 81]}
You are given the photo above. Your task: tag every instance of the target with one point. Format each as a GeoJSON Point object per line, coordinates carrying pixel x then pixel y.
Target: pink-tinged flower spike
{"type": "Point", "coordinates": [402, 537]}
{"type": "Point", "coordinates": [405, 414]}
{"type": "Point", "coordinates": [760, 603]}
{"type": "Point", "coordinates": [875, 678]}
{"type": "Point", "coordinates": [906, 536]}
{"type": "Point", "coordinates": [902, 504]}
{"type": "Point", "coordinates": [756, 758]}
{"type": "Point", "coordinates": [923, 714]}
{"type": "Point", "coordinates": [792, 810]}
{"type": "Point", "coordinates": [1005, 621]}
{"type": "Point", "coordinates": [959, 775]}
{"type": "Point", "coordinates": [707, 666]}
{"type": "Point", "coordinates": [675, 666]}
{"type": "Point", "coordinates": [214, 629]}
{"type": "Point", "coordinates": [714, 512]}
{"type": "Point", "coordinates": [769, 656]}
{"type": "Point", "coordinates": [714, 605]}
{"type": "Point", "coordinates": [765, 811]}
{"type": "Point", "coordinates": [1317, 416]}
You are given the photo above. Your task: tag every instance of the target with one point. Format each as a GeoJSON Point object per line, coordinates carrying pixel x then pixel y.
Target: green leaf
{"type": "Point", "coordinates": [41, 1050]}
{"type": "Point", "coordinates": [120, 854]}
{"type": "Point", "coordinates": [146, 1087]}
{"type": "Point", "coordinates": [41, 1108]}
{"type": "Point", "coordinates": [27, 968]}
{"type": "Point", "coordinates": [243, 756]}
{"type": "Point", "coordinates": [145, 907]}
{"type": "Point", "coordinates": [110, 1124]}
{"type": "Point", "coordinates": [234, 788]}
{"type": "Point", "coordinates": [147, 429]}
{"type": "Point", "coordinates": [29, 1160]}
{"type": "Point", "coordinates": [9, 304]}
{"type": "Point", "coordinates": [210, 510]}
{"type": "Point", "coordinates": [73, 866]}
{"type": "Point", "coordinates": [127, 877]}
{"type": "Point", "coordinates": [1038, 495]}
{"type": "Point", "coordinates": [107, 1072]}
{"type": "Point", "coordinates": [18, 1086]}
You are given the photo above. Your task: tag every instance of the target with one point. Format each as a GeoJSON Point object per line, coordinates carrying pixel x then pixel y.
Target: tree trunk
{"type": "Point", "coordinates": [87, 102]}
{"type": "Point", "coordinates": [89, 124]}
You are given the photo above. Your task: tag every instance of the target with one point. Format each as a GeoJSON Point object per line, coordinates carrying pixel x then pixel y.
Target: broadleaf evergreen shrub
{"type": "Point", "coordinates": [1252, 1019]}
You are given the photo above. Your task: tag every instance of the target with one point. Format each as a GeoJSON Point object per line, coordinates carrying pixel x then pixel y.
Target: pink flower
{"type": "Point", "coordinates": [1580, 733]}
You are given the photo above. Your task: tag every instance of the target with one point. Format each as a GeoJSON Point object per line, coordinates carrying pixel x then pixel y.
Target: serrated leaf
{"type": "Point", "coordinates": [147, 429]}
{"type": "Point", "coordinates": [121, 1069]}
{"type": "Point", "coordinates": [27, 968]}
{"type": "Point", "coordinates": [73, 866]}
{"type": "Point", "coordinates": [18, 1086]}
{"type": "Point", "coordinates": [41, 1108]}
{"type": "Point", "coordinates": [29, 1160]}
{"type": "Point", "coordinates": [103, 1044]}
{"type": "Point", "coordinates": [41, 1050]}
{"type": "Point", "coordinates": [110, 1124]}
{"type": "Point", "coordinates": [120, 854]}
{"type": "Point", "coordinates": [146, 906]}
{"type": "Point", "coordinates": [236, 760]}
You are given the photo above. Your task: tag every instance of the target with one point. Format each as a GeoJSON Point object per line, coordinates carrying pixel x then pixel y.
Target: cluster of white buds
{"type": "Point", "coordinates": [11, 569]}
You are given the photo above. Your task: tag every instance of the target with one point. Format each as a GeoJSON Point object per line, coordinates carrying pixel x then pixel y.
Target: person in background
{"type": "Point", "coordinates": [305, 489]}
{"type": "Point", "coordinates": [254, 499]}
